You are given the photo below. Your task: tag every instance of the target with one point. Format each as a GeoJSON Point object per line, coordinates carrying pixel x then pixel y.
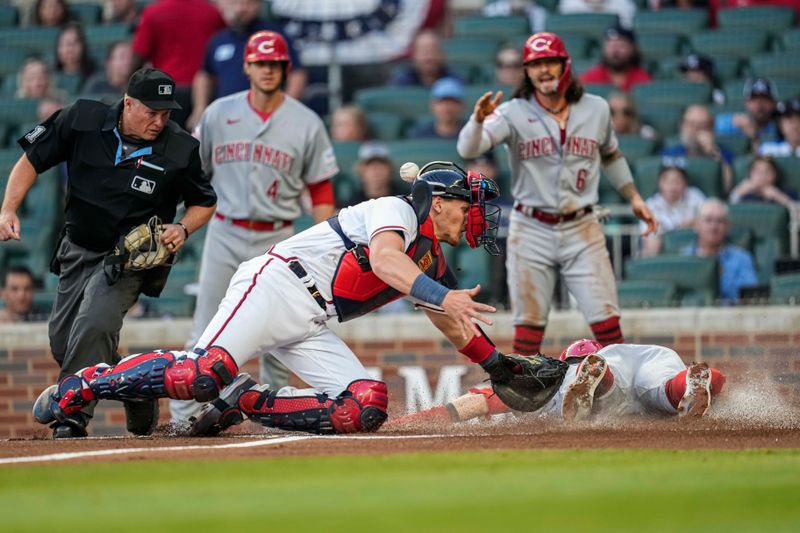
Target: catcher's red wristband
{"type": "Point", "coordinates": [477, 349]}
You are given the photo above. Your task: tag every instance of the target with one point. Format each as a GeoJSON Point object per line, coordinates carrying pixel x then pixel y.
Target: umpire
{"type": "Point", "coordinates": [126, 163]}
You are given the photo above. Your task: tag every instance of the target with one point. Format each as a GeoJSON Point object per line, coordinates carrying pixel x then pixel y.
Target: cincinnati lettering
{"type": "Point", "coordinates": [258, 153]}
{"type": "Point", "coordinates": [544, 146]}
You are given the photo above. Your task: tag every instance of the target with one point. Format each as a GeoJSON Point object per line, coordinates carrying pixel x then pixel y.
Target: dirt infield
{"type": "Point", "coordinates": [508, 434]}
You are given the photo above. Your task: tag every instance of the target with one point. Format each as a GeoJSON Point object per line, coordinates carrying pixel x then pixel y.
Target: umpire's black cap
{"type": "Point", "coordinates": [155, 88]}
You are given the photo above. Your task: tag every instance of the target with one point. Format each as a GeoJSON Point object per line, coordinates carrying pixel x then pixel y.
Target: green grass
{"type": "Point", "coordinates": [530, 490]}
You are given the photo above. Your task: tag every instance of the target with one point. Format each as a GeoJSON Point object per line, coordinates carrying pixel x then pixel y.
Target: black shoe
{"type": "Point", "coordinates": [73, 427]}
{"type": "Point", "coordinates": [141, 416]}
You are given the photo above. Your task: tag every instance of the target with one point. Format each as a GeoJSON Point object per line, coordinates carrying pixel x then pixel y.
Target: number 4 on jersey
{"type": "Point", "coordinates": [272, 191]}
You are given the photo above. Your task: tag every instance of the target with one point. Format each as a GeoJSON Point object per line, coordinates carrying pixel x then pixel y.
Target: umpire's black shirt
{"type": "Point", "coordinates": [107, 192]}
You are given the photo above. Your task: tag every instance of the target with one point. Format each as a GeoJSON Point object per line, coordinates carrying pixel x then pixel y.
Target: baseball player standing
{"type": "Point", "coordinates": [558, 138]}
{"type": "Point", "coordinates": [262, 148]}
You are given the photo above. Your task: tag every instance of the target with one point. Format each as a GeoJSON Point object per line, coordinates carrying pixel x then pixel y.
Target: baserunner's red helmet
{"type": "Point", "coordinates": [547, 44]}
{"type": "Point", "coordinates": [267, 46]}
{"type": "Point", "coordinates": [580, 349]}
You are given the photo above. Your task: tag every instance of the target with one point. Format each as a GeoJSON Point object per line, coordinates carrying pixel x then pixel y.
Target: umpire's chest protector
{"type": "Point", "coordinates": [356, 288]}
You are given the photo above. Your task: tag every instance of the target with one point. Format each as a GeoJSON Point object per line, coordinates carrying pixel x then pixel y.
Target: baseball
{"type": "Point", "coordinates": [409, 171]}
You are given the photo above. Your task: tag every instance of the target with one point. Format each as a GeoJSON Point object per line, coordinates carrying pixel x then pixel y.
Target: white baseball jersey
{"type": "Point", "coordinates": [641, 372]}
{"type": "Point", "coordinates": [545, 173]}
{"type": "Point", "coordinates": [259, 168]}
{"type": "Point", "coordinates": [267, 308]}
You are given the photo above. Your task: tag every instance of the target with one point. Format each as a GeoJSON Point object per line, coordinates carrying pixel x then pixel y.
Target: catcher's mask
{"type": "Point", "coordinates": [448, 180]}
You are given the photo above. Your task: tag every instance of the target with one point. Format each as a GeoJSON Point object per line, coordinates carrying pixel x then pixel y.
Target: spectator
{"type": "Point", "coordinates": [375, 172]}
{"type": "Point", "coordinates": [624, 9]}
{"type": "Point", "coordinates": [698, 140]}
{"type": "Point", "coordinates": [72, 53]}
{"type": "Point", "coordinates": [619, 65]}
{"type": "Point", "coordinates": [699, 68]}
{"type": "Point", "coordinates": [48, 106]}
{"type": "Point", "coordinates": [17, 294]}
{"type": "Point", "coordinates": [736, 266]}
{"type": "Point", "coordinates": [349, 123]}
{"type": "Point", "coordinates": [789, 125]}
{"type": "Point", "coordinates": [763, 184]}
{"type": "Point", "coordinates": [51, 13]}
{"type": "Point", "coordinates": [172, 35]}
{"type": "Point", "coordinates": [221, 72]}
{"type": "Point", "coordinates": [508, 67]}
{"type": "Point", "coordinates": [36, 81]}
{"type": "Point", "coordinates": [625, 116]}
{"type": "Point", "coordinates": [757, 123]}
{"type": "Point", "coordinates": [484, 164]}
{"type": "Point", "coordinates": [447, 107]}
{"type": "Point", "coordinates": [118, 69]}
{"type": "Point", "coordinates": [428, 63]}
{"type": "Point", "coordinates": [675, 205]}
{"type": "Point", "coordinates": [121, 12]}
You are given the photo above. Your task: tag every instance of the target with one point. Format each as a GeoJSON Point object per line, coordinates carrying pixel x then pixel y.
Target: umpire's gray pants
{"type": "Point", "coordinates": [87, 313]}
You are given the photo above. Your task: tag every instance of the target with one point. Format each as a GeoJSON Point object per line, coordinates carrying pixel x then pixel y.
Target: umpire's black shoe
{"type": "Point", "coordinates": [72, 427]}
{"type": "Point", "coordinates": [141, 416]}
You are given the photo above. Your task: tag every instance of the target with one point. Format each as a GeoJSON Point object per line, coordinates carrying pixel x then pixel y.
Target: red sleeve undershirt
{"type": "Point", "coordinates": [321, 193]}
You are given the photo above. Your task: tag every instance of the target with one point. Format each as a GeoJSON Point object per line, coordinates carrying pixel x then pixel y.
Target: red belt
{"type": "Point", "coordinates": [257, 225]}
{"type": "Point", "coordinates": [552, 218]}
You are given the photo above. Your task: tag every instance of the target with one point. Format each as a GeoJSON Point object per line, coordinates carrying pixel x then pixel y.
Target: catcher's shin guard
{"type": "Point", "coordinates": [178, 375]}
{"type": "Point", "coordinates": [361, 407]}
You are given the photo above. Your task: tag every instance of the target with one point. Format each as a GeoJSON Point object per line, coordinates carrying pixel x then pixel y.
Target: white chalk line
{"type": "Point", "coordinates": [66, 456]}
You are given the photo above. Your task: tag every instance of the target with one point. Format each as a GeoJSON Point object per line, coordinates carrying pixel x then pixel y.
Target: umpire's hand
{"type": "Point", "coordinates": [9, 226]}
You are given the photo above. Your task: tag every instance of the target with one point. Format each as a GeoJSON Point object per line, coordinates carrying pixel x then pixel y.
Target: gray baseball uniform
{"type": "Point", "coordinates": [555, 177]}
{"type": "Point", "coordinates": [259, 169]}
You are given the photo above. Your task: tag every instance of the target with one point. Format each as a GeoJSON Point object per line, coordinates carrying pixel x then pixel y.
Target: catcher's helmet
{"type": "Point", "coordinates": [448, 180]}
{"type": "Point", "coordinates": [547, 44]}
{"type": "Point", "coordinates": [267, 46]}
{"type": "Point", "coordinates": [580, 349]}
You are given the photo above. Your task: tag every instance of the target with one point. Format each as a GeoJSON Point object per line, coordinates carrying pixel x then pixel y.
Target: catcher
{"type": "Point", "coordinates": [366, 256]}
{"type": "Point", "coordinates": [128, 167]}
{"type": "Point", "coordinates": [618, 380]}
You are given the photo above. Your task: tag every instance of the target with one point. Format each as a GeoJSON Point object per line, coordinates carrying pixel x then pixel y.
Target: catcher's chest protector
{"type": "Point", "coordinates": [356, 288]}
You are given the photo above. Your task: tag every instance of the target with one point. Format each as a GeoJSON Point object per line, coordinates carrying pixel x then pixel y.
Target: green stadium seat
{"type": "Point", "coordinates": [105, 34]}
{"type": "Point", "coordinates": [705, 174]}
{"type": "Point", "coordinates": [645, 294]}
{"type": "Point", "coordinates": [345, 187]}
{"type": "Point", "coordinates": [740, 43]}
{"type": "Point", "coordinates": [645, 175]}
{"type": "Point", "coordinates": [725, 67]}
{"type": "Point", "coordinates": [695, 278]}
{"type": "Point", "coordinates": [303, 222]}
{"type": "Point", "coordinates": [10, 62]}
{"type": "Point", "coordinates": [346, 154]}
{"type": "Point", "coordinates": [494, 27]}
{"type": "Point", "coordinates": [384, 126]}
{"type": "Point", "coordinates": [40, 40]}
{"type": "Point", "coordinates": [345, 183]}
{"type": "Point", "coordinates": [680, 21]}
{"type": "Point", "coordinates": [784, 65]}
{"type": "Point", "coordinates": [473, 267]}
{"type": "Point", "coordinates": [634, 147]}
{"type": "Point", "coordinates": [9, 17]}
{"type": "Point", "coordinates": [579, 66]}
{"type": "Point", "coordinates": [656, 46]}
{"type": "Point", "coordinates": [589, 24]}
{"type": "Point", "coordinates": [791, 40]}
{"type": "Point", "coordinates": [71, 83]}
{"type": "Point", "coordinates": [470, 50]}
{"type": "Point", "coordinates": [87, 14]}
{"type": "Point", "coordinates": [18, 110]}
{"type": "Point", "coordinates": [738, 144]}
{"type": "Point", "coordinates": [664, 118]}
{"type": "Point", "coordinates": [579, 46]}
{"type": "Point", "coordinates": [475, 91]}
{"type": "Point", "coordinates": [676, 92]}
{"type": "Point", "coordinates": [423, 151]}
{"type": "Point", "coordinates": [600, 89]}
{"type": "Point", "coordinates": [406, 102]}
{"type": "Point", "coordinates": [43, 300]}
{"type": "Point", "coordinates": [768, 18]}
{"type": "Point", "coordinates": [787, 87]}
{"type": "Point", "coordinates": [769, 225]}
{"type": "Point", "coordinates": [740, 165]}
{"type": "Point", "coordinates": [785, 289]}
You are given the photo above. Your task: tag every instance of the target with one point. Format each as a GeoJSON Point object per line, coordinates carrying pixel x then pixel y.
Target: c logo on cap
{"type": "Point", "coordinates": [540, 44]}
{"type": "Point", "coordinates": [266, 47]}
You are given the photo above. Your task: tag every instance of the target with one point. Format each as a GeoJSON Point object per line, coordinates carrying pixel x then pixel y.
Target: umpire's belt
{"type": "Point", "coordinates": [552, 218]}
{"type": "Point", "coordinates": [301, 273]}
{"type": "Point", "coordinates": [256, 225]}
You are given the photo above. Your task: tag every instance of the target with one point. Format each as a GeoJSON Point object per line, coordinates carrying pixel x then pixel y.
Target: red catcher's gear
{"type": "Point", "coordinates": [547, 44]}
{"type": "Point", "coordinates": [580, 349]}
{"type": "Point", "coordinates": [267, 46]}
{"type": "Point", "coordinates": [361, 407]}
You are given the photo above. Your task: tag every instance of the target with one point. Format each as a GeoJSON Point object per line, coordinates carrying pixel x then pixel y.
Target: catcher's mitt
{"type": "Point", "coordinates": [141, 248]}
{"type": "Point", "coordinates": [527, 383]}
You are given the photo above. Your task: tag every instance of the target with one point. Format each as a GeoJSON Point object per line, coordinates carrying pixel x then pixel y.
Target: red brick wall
{"type": "Point", "coordinates": [25, 372]}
